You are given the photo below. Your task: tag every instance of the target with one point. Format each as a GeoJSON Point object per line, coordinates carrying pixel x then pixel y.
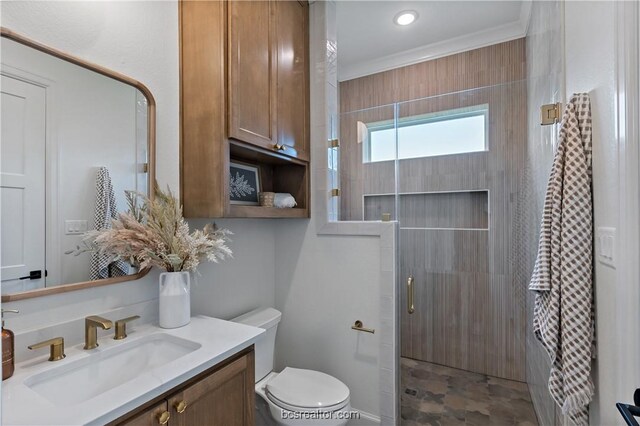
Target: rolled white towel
{"type": "Point", "coordinates": [284, 200]}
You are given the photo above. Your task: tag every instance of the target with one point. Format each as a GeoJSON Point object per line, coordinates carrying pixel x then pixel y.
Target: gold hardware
{"type": "Point", "coordinates": [279, 147]}
{"type": "Point", "coordinates": [334, 143]}
{"type": "Point", "coordinates": [550, 114]}
{"type": "Point", "coordinates": [121, 327]}
{"type": "Point", "coordinates": [410, 308]}
{"type": "Point", "coordinates": [91, 325]}
{"type": "Point", "coordinates": [163, 418]}
{"type": "Point", "coordinates": [386, 217]}
{"type": "Point", "coordinates": [145, 168]}
{"type": "Point", "coordinates": [358, 326]}
{"type": "Point", "coordinates": [56, 348]}
{"type": "Point", "coordinates": [335, 192]}
{"type": "Point", "coordinates": [180, 406]}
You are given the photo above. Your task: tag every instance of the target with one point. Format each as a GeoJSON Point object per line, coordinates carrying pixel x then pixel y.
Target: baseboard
{"type": "Point", "coordinates": [366, 419]}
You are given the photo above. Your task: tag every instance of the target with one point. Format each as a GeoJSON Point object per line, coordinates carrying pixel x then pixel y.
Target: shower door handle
{"type": "Point", "coordinates": [410, 308]}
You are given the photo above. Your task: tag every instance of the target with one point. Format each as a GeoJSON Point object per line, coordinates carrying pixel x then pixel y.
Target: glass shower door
{"type": "Point", "coordinates": [448, 169]}
{"type": "Point", "coordinates": [367, 184]}
{"type": "Point", "coordinates": [458, 157]}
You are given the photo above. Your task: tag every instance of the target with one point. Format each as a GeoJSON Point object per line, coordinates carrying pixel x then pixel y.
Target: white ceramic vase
{"type": "Point", "coordinates": [175, 299]}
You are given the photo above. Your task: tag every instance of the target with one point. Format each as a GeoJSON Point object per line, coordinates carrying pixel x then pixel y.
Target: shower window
{"type": "Point", "coordinates": [456, 131]}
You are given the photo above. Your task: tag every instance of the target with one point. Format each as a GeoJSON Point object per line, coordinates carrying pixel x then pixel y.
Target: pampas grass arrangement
{"type": "Point", "coordinates": [154, 233]}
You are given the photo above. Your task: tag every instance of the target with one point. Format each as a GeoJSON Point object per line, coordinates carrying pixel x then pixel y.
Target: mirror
{"type": "Point", "coordinates": [74, 137]}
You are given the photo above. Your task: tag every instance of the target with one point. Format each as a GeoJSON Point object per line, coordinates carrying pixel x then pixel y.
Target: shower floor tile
{"type": "Point", "coordinates": [436, 395]}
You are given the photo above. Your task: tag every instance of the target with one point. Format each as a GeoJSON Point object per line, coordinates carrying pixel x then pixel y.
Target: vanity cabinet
{"type": "Point", "coordinates": [244, 98]}
{"type": "Point", "coordinates": [221, 396]}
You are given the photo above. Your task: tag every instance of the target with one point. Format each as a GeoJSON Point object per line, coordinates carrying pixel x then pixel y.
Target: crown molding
{"type": "Point", "coordinates": [507, 32]}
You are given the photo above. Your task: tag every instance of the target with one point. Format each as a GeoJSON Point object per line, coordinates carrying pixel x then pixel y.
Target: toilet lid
{"type": "Point", "coordinates": [307, 389]}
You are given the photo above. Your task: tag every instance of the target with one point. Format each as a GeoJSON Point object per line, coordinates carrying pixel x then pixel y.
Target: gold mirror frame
{"type": "Point", "coordinates": [151, 141]}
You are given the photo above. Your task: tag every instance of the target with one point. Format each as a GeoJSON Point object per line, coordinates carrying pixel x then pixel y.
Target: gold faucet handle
{"type": "Point", "coordinates": [56, 348]}
{"type": "Point", "coordinates": [121, 327]}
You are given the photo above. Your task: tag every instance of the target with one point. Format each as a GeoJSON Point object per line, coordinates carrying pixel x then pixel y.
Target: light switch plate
{"type": "Point", "coordinates": [606, 246]}
{"type": "Point", "coordinates": [75, 227]}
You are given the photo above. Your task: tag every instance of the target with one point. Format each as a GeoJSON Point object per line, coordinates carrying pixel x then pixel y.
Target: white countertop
{"type": "Point", "coordinates": [219, 339]}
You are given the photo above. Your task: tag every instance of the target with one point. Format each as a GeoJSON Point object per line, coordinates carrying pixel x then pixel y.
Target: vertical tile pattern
{"type": "Point", "coordinates": [544, 49]}
{"type": "Point", "coordinates": [459, 209]}
{"type": "Point", "coordinates": [487, 66]}
{"type": "Point", "coordinates": [469, 314]}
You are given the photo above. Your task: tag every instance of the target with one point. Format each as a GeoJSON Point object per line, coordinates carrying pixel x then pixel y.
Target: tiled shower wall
{"type": "Point", "coordinates": [469, 314]}
{"type": "Point", "coordinates": [545, 63]}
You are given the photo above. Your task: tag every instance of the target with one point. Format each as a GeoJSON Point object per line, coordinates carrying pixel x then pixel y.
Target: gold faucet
{"type": "Point", "coordinates": [56, 348]}
{"type": "Point", "coordinates": [91, 325]}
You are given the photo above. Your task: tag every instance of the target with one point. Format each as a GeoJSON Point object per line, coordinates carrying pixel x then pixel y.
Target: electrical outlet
{"type": "Point", "coordinates": [75, 227]}
{"type": "Point", "coordinates": [606, 246]}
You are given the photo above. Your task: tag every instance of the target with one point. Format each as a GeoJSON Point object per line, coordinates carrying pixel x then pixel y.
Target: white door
{"type": "Point", "coordinates": [22, 184]}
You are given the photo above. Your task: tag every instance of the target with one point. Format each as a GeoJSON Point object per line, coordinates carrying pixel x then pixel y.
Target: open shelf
{"type": "Point", "coordinates": [241, 211]}
{"type": "Point", "coordinates": [278, 173]}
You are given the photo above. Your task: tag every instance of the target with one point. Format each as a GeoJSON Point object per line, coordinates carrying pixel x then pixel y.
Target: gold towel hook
{"type": "Point", "coordinates": [550, 114]}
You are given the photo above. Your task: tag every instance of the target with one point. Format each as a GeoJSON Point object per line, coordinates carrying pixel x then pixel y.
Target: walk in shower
{"type": "Point", "coordinates": [448, 168]}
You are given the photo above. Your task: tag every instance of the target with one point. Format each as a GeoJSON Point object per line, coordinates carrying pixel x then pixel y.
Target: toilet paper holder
{"type": "Point", "coordinates": [359, 326]}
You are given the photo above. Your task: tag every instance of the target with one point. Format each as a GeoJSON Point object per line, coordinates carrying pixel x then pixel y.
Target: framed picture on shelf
{"type": "Point", "coordinates": [244, 184]}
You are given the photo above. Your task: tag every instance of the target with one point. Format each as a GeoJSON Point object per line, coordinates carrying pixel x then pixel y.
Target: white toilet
{"type": "Point", "coordinates": [294, 396]}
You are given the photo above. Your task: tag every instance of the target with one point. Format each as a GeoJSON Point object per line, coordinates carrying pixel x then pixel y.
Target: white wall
{"type": "Point", "coordinates": [590, 32]}
{"type": "Point", "coordinates": [246, 281]}
{"type": "Point", "coordinates": [323, 285]}
{"type": "Point", "coordinates": [326, 281]}
{"type": "Point", "coordinates": [585, 73]}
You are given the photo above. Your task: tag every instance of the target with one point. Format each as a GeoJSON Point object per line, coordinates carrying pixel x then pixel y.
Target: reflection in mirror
{"type": "Point", "coordinates": [73, 140]}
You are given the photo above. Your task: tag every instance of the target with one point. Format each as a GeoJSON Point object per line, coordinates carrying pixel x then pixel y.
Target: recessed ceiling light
{"type": "Point", "coordinates": [405, 17]}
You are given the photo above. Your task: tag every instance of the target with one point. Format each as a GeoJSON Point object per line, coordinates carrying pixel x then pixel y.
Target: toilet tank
{"type": "Point", "coordinates": [267, 318]}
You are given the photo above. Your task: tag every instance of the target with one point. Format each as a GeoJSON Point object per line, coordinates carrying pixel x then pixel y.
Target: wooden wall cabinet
{"type": "Point", "coordinates": [223, 396]}
{"type": "Point", "coordinates": [244, 97]}
{"type": "Point", "coordinates": [252, 73]}
{"type": "Point", "coordinates": [291, 18]}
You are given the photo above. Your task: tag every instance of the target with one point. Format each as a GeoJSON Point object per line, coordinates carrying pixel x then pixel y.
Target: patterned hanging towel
{"type": "Point", "coordinates": [563, 319]}
{"type": "Point", "coordinates": [101, 265]}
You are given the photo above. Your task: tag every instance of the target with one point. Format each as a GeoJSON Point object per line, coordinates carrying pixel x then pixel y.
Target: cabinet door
{"type": "Point", "coordinates": [252, 112]}
{"type": "Point", "coordinates": [204, 176]}
{"type": "Point", "coordinates": [152, 416]}
{"type": "Point", "coordinates": [225, 398]}
{"type": "Point", "coordinates": [293, 77]}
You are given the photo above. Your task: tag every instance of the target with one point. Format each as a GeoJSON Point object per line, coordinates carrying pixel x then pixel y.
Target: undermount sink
{"type": "Point", "coordinates": [86, 378]}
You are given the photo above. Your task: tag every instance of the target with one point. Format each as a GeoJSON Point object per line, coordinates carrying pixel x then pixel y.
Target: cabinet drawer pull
{"type": "Point", "coordinates": [164, 417]}
{"type": "Point", "coordinates": [180, 406]}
